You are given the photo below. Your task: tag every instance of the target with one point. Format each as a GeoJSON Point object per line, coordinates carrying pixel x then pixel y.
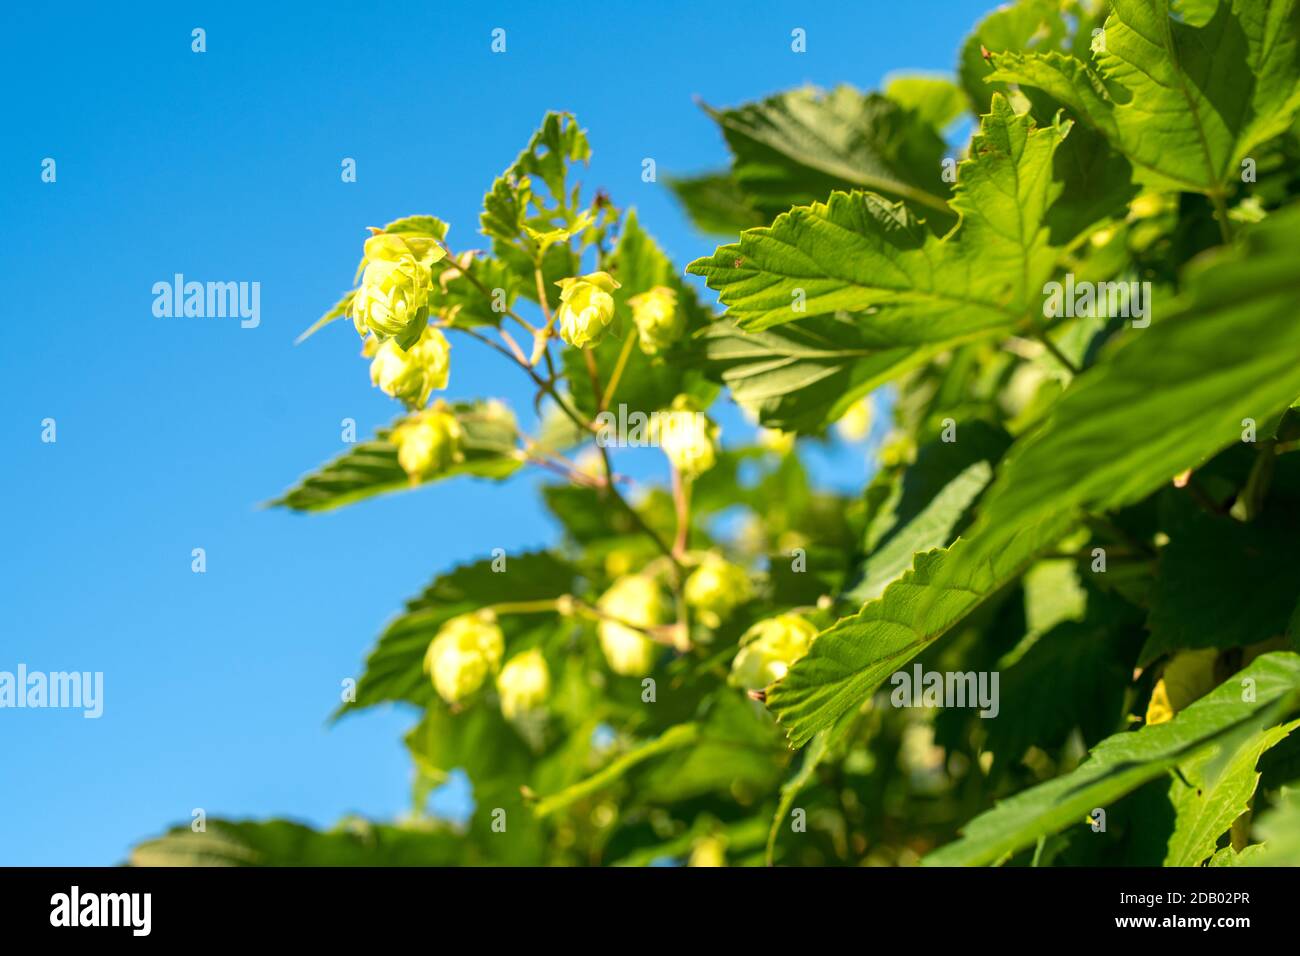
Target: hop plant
{"type": "Point", "coordinates": [462, 654]}
{"type": "Point", "coordinates": [715, 589]}
{"type": "Point", "coordinates": [410, 375]}
{"type": "Point", "coordinates": [687, 437]}
{"type": "Point", "coordinates": [393, 299]}
{"type": "Point", "coordinates": [586, 308]}
{"type": "Point", "coordinates": [659, 323]}
{"type": "Point", "coordinates": [769, 648]}
{"type": "Point", "coordinates": [428, 442]}
{"type": "Point", "coordinates": [632, 602]}
{"type": "Point", "coordinates": [524, 684]}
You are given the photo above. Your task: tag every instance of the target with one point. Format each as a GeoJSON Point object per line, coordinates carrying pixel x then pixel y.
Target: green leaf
{"type": "Point", "coordinates": [478, 740]}
{"type": "Point", "coordinates": [284, 843]}
{"type": "Point", "coordinates": [371, 468]}
{"type": "Point", "coordinates": [1188, 98]}
{"type": "Point", "coordinates": [823, 746]}
{"type": "Point", "coordinates": [1074, 675]}
{"type": "Point", "coordinates": [936, 99]}
{"type": "Point", "coordinates": [925, 509]}
{"type": "Point", "coordinates": [1025, 25]}
{"type": "Point", "coordinates": [804, 375]}
{"type": "Point", "coordinates": [858, 252]}
{"type": "Point", "coordinates": [796, 147]}
{"type": "Point", "coordinates": [738, 755]}
{"type": "Point", "coordinates": [1224, 584]}
{"type": "Point", "coordinates": [932, 528]}
{"type": "Point", "coordinates": [715, 203]}
{"type": "Point", "coordinates": [1122, 763]}
{"type": "Point", "coordinates": [849, 660]}
{"type": "Point", "coordinates": [1169, 397]}
{"type": "Point", "coordinates": [675, 738]}
{"type": "Point", "coordinates": [1205, 805]}
{"type": "Point", "coordinates": [395, 668]}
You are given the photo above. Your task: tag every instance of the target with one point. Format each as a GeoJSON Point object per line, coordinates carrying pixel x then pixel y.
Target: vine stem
{"type": "Point", "coordinates": [617, 374]}
{"type": "Point", "coordinates": [547, 385]}
{"type": "Point", "coordinates": [1221, 215]}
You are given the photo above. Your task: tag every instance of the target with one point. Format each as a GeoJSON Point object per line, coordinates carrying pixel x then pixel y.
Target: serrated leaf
{"type": "Point", "coordinates": [1206, 808]}
{"type": "Point", "coordinates": [1023, 25]}
{"type": "Point", "coordinates": [1121, 763]}
{"type": "Point", "coordinates": [1188, 97]}
{"type": "Point", "coordinates": [931, 528]}
{"type": "Point", "coordinates": [371, 468]}
{"type": "Point", "coordinates": [798, 146]}
{"type": "Point", "coordinates": [858, 252]}
{"type": "Point", "coordinates": [1168, 398]}
{"type": "Point", "coordinates": [925, 507]}
{"type": "Point", "coordinates": [853, 657]}
{"type": "Point", "coordinates": [803, 375]}
{"type": "Point", "coordinates": [395, 668]}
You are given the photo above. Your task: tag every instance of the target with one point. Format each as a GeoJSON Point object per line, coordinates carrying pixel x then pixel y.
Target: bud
{"type": "Point", "coordinates": [769, 648]}
{"type": "Point", "coordinates": [428, 442]}
{"type": "Point", "coordinates": [524, 684]}
{"type": "Point", "coordinates": [659, 323]}
{"type": "Point", "coordinates": [634, 601]}
{"type": "Point", "coordinates": [393, 298]}
{"type": "Point", "coordinates": [410, 375]}
{"type": "Point", "coordinates": [586, 308]}
{"type": "Point", "coordinates": [462, 653]}
{"type": "Point", "coordinates": [687, 437]}
{"type": "Point", "coordinates": [715, 589]}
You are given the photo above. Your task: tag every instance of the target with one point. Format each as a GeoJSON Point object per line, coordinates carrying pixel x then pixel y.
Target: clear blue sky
{"type": "Point", "coordinates": [225, 166]}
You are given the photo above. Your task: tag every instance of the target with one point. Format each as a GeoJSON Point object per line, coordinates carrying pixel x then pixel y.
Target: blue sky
{"type": "Point", "coordinates": [225, 166]}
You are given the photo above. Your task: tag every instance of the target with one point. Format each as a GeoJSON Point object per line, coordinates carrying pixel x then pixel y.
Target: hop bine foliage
{"type": "Point", "coordinates": [1084, 505]}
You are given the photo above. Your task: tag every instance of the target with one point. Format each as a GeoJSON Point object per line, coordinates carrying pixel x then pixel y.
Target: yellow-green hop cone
{"type": "Point", "coordinates": [462, 654]}
{"type": "Point", "coordinates": [715, 589]}
{"type": "Point", "coordinates": [659, 323]}
{"type": "Point", "coordinates": [586, 308]}
{"type": "Point", "coordinates": [769, 648]}
{"type": "Point", "coordinates": [428, 442]}
{"type": "Point", "coordinates": [524, 684]}
{"type": "Point", "coordinates": [393, 298]}
{"type": "Point", "coordinates": [632, 602]}
{"type": "Point", "coordinates": [411, 375]}
{"type": "Point", "coordinates": [687, 437]}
